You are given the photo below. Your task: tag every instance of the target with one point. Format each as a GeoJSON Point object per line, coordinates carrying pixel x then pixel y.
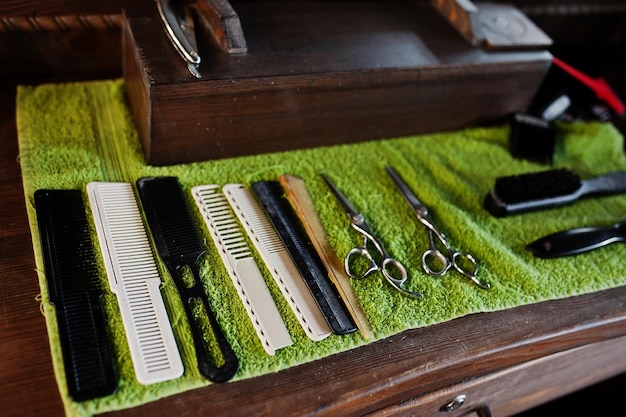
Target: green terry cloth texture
{"type": "Point", "coordinates": [72, 134]}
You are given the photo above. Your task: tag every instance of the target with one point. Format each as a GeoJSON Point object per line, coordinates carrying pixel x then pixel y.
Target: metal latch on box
{"type": "Point", "coordinates": [495, 26]}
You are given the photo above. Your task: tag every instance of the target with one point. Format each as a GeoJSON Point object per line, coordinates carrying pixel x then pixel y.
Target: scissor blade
{"type": "Point", "coordinates": [404, 189]}
{"type": "Point", "coordinates": [343, 201]}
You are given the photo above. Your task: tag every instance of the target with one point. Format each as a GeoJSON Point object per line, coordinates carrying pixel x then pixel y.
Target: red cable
{"type": "Point", "coordinates": [599, 86]}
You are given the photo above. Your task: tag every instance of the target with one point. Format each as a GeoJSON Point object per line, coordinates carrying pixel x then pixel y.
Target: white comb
{"type": "Point", "coordinates": [242, 268]}
{"type": "Point", "coordinates": [134, 279]}
{"type": "Point", "coordinates": [275, 255]}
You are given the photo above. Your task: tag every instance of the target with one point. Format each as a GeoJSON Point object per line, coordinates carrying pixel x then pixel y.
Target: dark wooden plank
{"type": "Point", "coordinates": [67, 7]}
{"type": "Point", "coordinates": [60, 53]}
{"type": "Point", "coordinates": [391, 371]}
{"type": "Point", "coordinates": [531, 383]}
{"type": "Point", "coordinates": [68, 37]}
{"type": "Point", "coordinates": [27, 383]}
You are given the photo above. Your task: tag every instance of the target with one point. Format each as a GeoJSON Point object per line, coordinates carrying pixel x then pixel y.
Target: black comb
{"type": "Point", "coordinates": [73, 286]}
{"type": "Point", "coordinates": [285, 221]}
{"type": "Point", "coordinates": [180, 247]}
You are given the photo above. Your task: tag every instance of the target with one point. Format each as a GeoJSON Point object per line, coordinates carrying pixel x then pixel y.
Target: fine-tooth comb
{"type": "Point", "coordinates": [134, 279]}
{"type": "Point", "coordinates": [298, 195]}
{"type": "Point", "coordinates": [73, 288]}
{"type": "Point", "coordinates": [287, 224]}
{"type": "Point", "coordinates": [281, 266]}
{"type": "Point", "coordinates": [180, 248]}
{"type": "Point", "coordinates": [242, 268]}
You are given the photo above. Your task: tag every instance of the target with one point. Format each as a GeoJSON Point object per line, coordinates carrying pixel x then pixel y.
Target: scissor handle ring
{"type": "Point", "coordinates": [471, 274]}
{"type": "Point", "coordinates": [390, 263]}
{"type": "Point", "coordinates": [435, 254]}
{"type": "Point", "coordinates": [467, 272]}
{"type": "Point", "coordinates": [362, 253]}
{"type": "Point", "coordinates": [393, 264]}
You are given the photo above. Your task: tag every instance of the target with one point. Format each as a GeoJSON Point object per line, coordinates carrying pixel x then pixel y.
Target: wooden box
{"type": "Point", "coordinates": [316, 74]}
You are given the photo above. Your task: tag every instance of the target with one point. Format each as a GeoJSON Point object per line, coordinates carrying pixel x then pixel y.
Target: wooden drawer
{"type": "Point", "coordinates": [524, 386]}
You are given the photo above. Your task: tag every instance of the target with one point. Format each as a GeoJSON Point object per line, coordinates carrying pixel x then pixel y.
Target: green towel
{"type": "Point", "coordinates": [72, 134]}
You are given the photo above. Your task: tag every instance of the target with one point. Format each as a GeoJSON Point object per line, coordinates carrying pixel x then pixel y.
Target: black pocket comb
{"type": "Point", "coordinates": [74, 290]}
{"type": "Point", "coordinates": [284, 219]}
{"type": "Point", "coordinates": [180, 247]}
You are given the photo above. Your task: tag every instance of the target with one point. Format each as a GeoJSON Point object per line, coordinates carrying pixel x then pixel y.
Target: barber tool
{"type": "Point", "coordinates": [574, 241]}
{"type": "Point", "coordinates": [216, 18]}
{"type": "Point", "coordinates": [281, 214]}
{"type": "Point", "coordinates": [74, 290]}
{"type": "Point", "coordinates": [304, 207]}
{"type": "Point", "coordinates": [532, 138]}
{"type": "Point", "coordinates": [440, 257]}
{"type": "Point", "coordinates": [279, 263]}
{"type": "Point", "coordinates": [552, 188]}
{"type": "Point", "coordinates": [242, 268]}
{"type": "Point", "coordinates": [180, 249]}
{"type": "Point", "coordinates": [134, 279]}
{"type": "Point", "coordinates": [376, 259]}
{"type": "Point", "coordinates": [179, 26]}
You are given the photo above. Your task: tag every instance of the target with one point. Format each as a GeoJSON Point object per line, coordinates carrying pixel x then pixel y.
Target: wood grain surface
{"type": "Point", "coordinates": [317, 74]}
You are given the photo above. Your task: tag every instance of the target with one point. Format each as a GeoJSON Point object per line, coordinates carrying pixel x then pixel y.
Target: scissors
{"type": "Point", "coordinates": [393, 271]}
{"type": "Point", "coordinates": [436, 261]}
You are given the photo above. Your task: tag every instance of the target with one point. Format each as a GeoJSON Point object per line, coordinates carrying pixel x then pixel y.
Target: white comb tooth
{"type": "Point", "coordinates": [242, 268]}
{"type": "Point", "coordinates": [279, 262]}
{"type": "Point", "coordinates": [135, 280]}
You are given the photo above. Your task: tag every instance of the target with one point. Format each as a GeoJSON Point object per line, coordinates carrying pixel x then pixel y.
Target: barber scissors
{"type": "Point", "coordinates": [439, 257]}
{"type": "Point", "coordinates": [375, 259]}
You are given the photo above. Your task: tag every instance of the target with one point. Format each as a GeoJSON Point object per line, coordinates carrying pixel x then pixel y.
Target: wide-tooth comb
{"type": "Point", "coordinates": [134, 279]}
{"type": "Point", "coordinates": [551, 188]}
{"type": "Point", "coordinates": [180, 247]}
{"type": "Point", "coordinates": [74, 290]}
{"type": "Point", "coordinates": [287, 224]}
{"type": "Point", "coordinates": [277, 259]}
{"type": "Point", "coordinates": [242, 268]}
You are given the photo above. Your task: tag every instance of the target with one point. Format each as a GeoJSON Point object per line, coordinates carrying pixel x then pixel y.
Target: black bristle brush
{"type": "Point", "coordinates": [552, 188]}
{"type": "Point", "coordinates": [532, 138]}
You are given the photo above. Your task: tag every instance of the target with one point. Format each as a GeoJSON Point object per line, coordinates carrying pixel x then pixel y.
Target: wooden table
{"type": "Point", "coordinates": [509, 360]}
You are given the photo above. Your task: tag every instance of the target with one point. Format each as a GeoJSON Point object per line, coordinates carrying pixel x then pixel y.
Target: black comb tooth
{"type": "Point", "coordinates": [179, 245]}
{"type": "Point", "coordinates": [90, 371]}
{"type": "Point", "coordinates": [73, 282]}
{"type": "Point", "coordinates": [72, 237]}
{"type": "Point", "coordinates": [532, 138]}
{"type": "Point", "coordinates": [176, 235]}
{"type": "Point", "coordinates": [536, 186]}
{"type": "Point", "coordinates": [315, 275]}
